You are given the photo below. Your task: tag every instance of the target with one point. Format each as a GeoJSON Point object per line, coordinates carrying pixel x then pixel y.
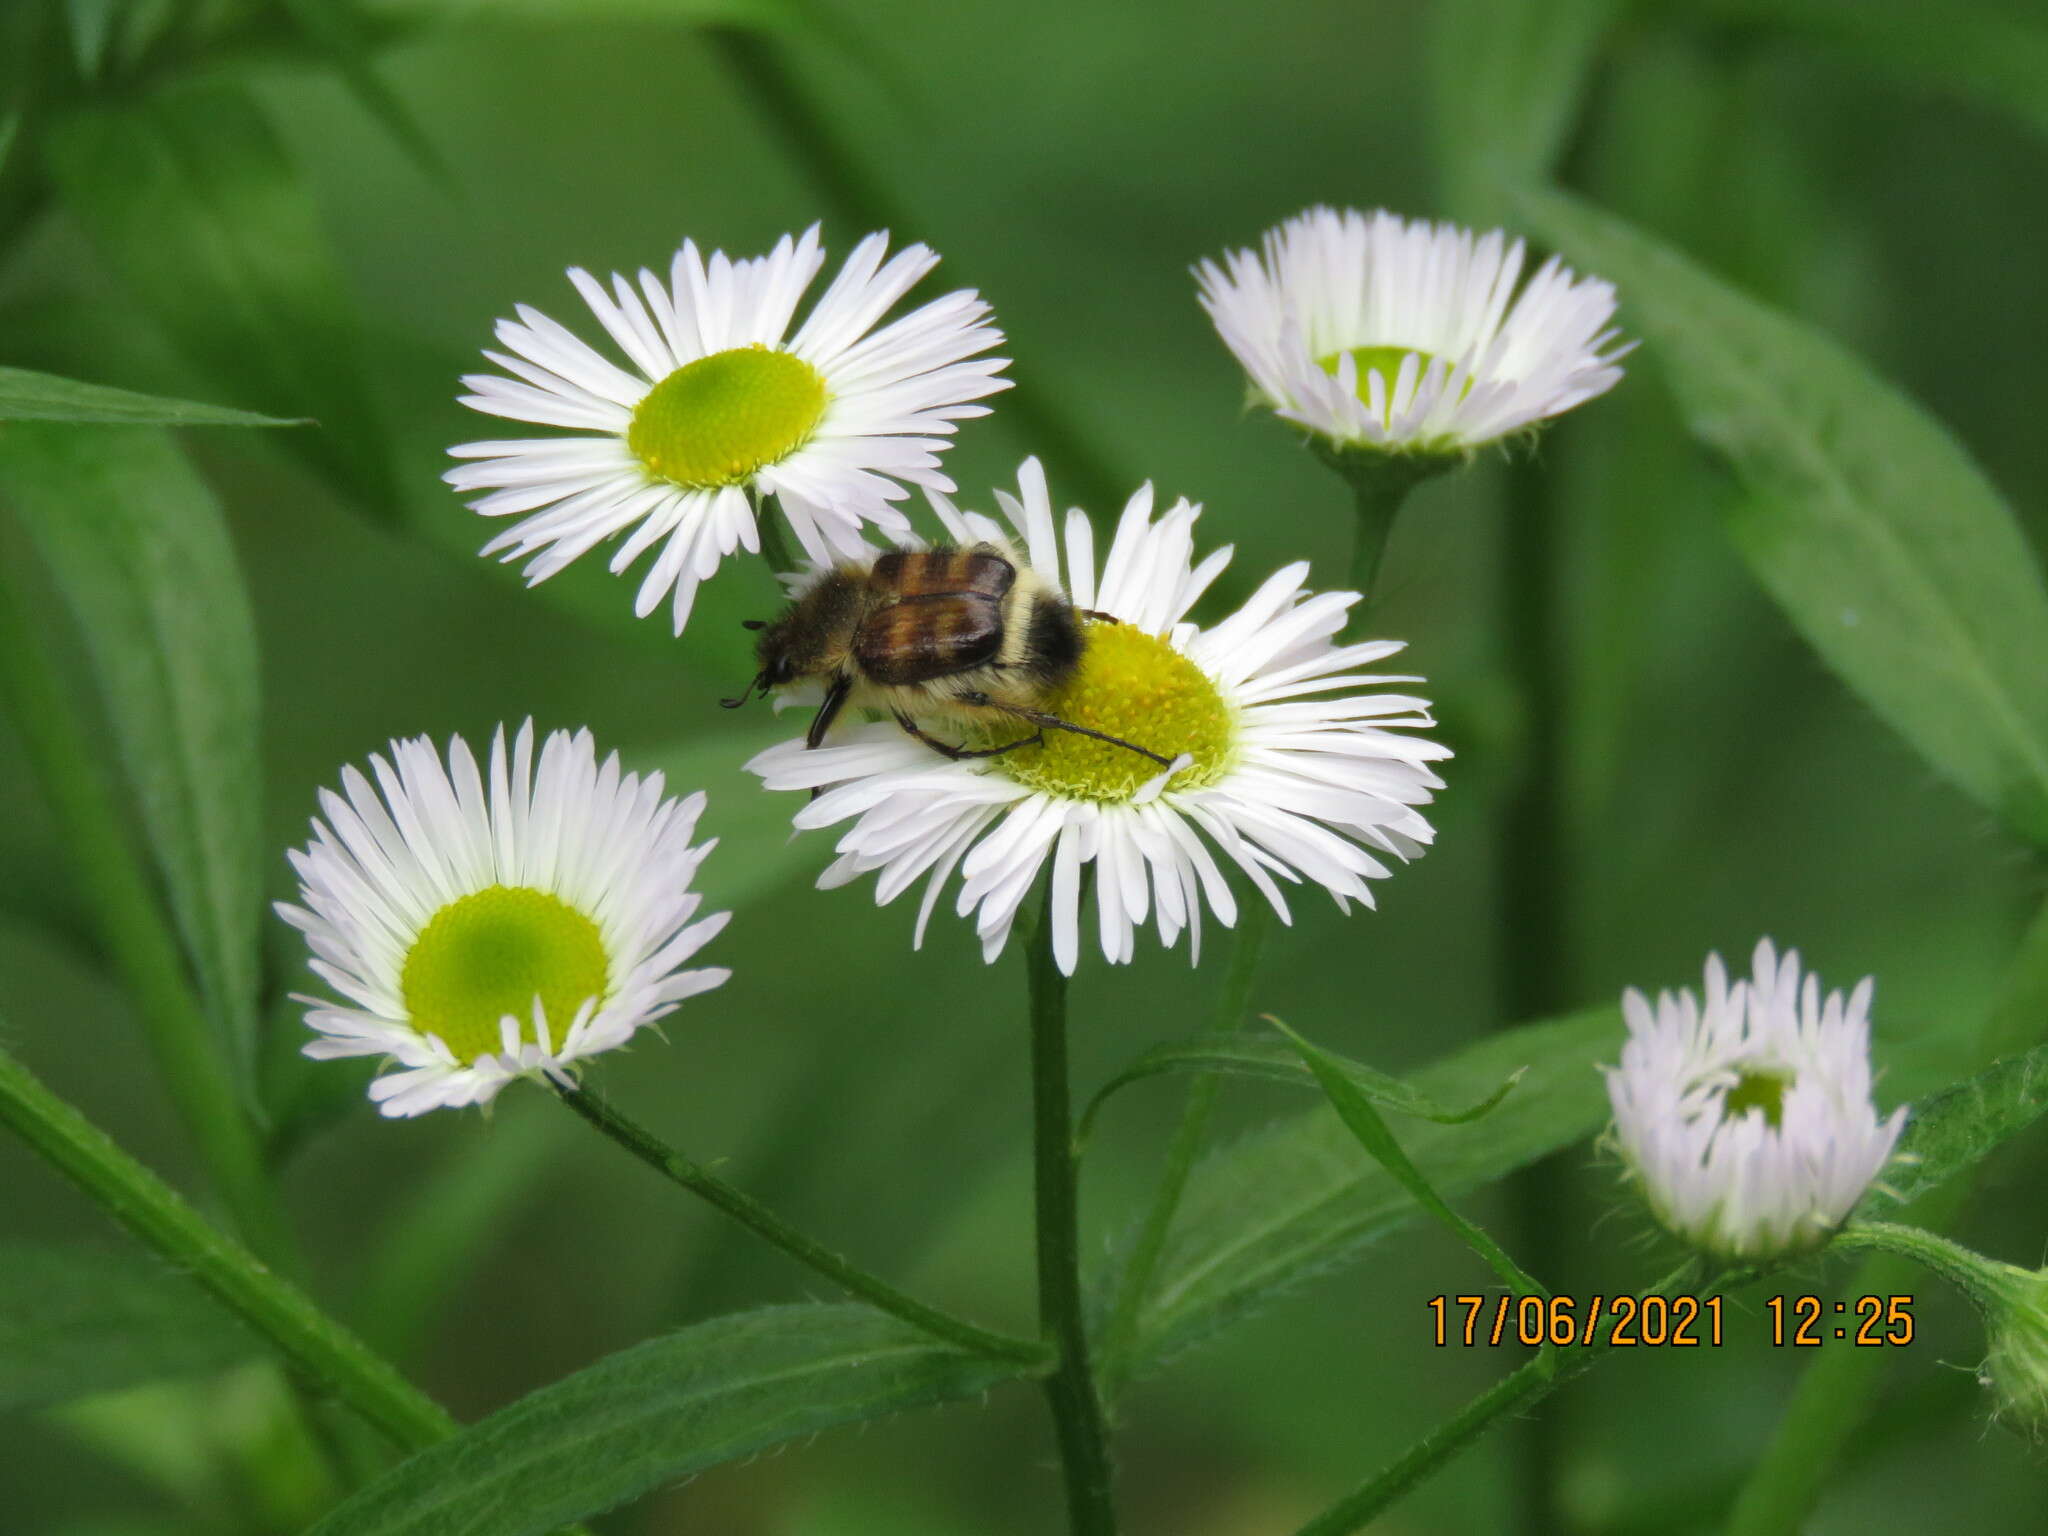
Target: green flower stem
{"type": "Point", "coordinates": [1380, 484]}
{"type": "Point", "coordinates": [1120, 1336]}
{"type": "Point", "coordinates": [1529, 1384]}
{"type": "Point", "coordinates": [1967, 1270]}
{"type": "Point", "coordinates": [1835, 1393]}
{"type": "Point", "coordinates": [327, 1352]}
{"type": "Point", "coordinates": [131, 925]}
{"type": "Point", "coordinates": [1076, 1409]}
{"type": "Point", "coordinates": [758, 60]}
{"type": "Point", "coordinates": [756, 1217]}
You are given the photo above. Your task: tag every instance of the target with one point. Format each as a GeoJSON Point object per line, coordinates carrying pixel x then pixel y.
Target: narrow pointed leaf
{"type": "Point", "coordinates": [139, 549]}
{"type": "Point", "coordinates": [659, 1412]}
{"type": "Point", "coordinates": [1960, 1126]}
{"type": "Point", "coordinates": [1364, 1122]}
{"type": "Point", "coordinates": [190, 198]}
{"type": "Point", "coordinates": [1862, 515]}
{"type": "Point", "coordinates": [334, 30]}
{"type": "Point", "coordinates": [1275, 1061]}
{"type": "Point", "coordinates": [76, 1320]}
{"type": "Point", "coordinates": [30, 396]}
{"type": "Point", "coordinates": [1295, 1198]}
{"type": "Point", "coordinates": [91, 24]}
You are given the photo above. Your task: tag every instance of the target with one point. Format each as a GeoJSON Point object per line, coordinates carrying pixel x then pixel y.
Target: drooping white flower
{"type": "Point", "coordinates": [1748, 1122]}
{"type": "Point", "coordinates": [721, 406]}
{"type": "Point", "coordinates": [481, 930]}
{"type": "Point", "coordinates": [1285, 764]}
{"type": "Point", "coordinates": [1371, 331]}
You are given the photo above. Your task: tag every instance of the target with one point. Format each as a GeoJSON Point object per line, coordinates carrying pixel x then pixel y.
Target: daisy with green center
{"type": "Point", "coordinates": [1379, 335]}
{"type": "Point", "coordinates": [1283, 763]}
{"type": "Point", "coordinates": [480, 930]}
{"type": "Point", "coordinates": [1747, 1122]}
{"type": "Point", "coordinates": [720, 407]}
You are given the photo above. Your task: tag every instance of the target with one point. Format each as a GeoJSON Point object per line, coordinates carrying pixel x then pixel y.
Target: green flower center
{"type": "Point", "coordinates": [718, 420]}
{"type": "Point", "coordinates": [1384, 361]}
{"type": "Point", "coordinates": [492, 953]}
{"type": "Point", "coordinates": [1136, 687]}
{"type": "Point", "coordinates": [1758, 1088]}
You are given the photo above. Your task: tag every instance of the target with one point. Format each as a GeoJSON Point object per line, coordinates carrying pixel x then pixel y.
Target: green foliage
{"type": "Point", "coordinates": [1971, 51]}
{"type": "Point", "coordinates": [92, 24]}
{"type": "Point", "coordinates": [75, 1321]}
{"type": "Point", "coordinates": [1960, 1126]}
{"type": "Point", "coordinates": [191, 199]}
{"type": "Point", "coordinates": [1356, 1110]}
{"type": "Point", "coordinates": [331, 26]}
{"type": "Point", "coordinates": [30, 396]}
{"type": "Point", "coordinates": [1275, 1061]}
{"type": "Point", "coordinates": [138, 547]}
{"type": "Point", "coordinates": [1865, 519]}
{"type": "Point", "coordinates": [1506, 78]}
{"type": "Point", "coordinates": [661, 1411]}
{"type": "Point", "coordinates": [1295, 1198]}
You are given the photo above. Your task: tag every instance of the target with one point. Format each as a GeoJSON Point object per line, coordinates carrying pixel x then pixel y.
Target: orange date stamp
{"type": "Point", "coordinates": [1661, 1322]}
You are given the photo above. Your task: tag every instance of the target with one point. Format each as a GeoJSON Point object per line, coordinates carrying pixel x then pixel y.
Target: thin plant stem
{"type": "Point", "coordinates": [759, 62]}
{"type": "Point", "coordinates": [1523, 1388]}
{"type": "Point", "coordinates": [131, 925]}
{"type": "Point", "coordinates": [1119, 1340]}
{"type": "Point", "coordinates": [1532, 957]}
{"type": "Point", "coordinates": [1967, 1271]}
{"type": "Point", "coordinates": [1070, 1389]}
{"type": "Point", "coordinates": [319, 1346]}
{"type": "Point", "coordinates": [1837, 1392]}
{"type": "Point", "coordinates": [1377, 500]}
{"type": "Point", "coordinates": [757, 1218]}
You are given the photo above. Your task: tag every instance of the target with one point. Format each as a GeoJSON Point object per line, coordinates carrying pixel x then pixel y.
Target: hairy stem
{"type": "Point", "coordinates": [317, 1344]}
{"type": "Point", "coordinates": [756, 1217]}
{"type": "Point", "coordinates": [1120, 1336]}
{"type": "Point", "coordinates": [1076, 1409]}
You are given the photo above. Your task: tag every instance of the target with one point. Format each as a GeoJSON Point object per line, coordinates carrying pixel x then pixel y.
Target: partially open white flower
{"type": "Point", "coordinates": [1748, 1123]}
{"type": "Point", "coordinates": [1375, 332]}
{"type": "Point", "coordinates": [721, 406]}
{"type": "Point", "coordinates": [1283, 760]}
{"type": "Point", "coordinates": [481, 931]}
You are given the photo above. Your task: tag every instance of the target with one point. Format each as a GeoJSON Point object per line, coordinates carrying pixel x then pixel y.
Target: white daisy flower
{"type": "Point", "coordinates": [1748, 1123]}
{"type": "Point", "coordinates": [1282, 761]}
{"type": "Point", "coordinates": [481, 931]}
{"type": "Point", "coordinates": [721, 406]}
{"type": "Point", "coordinates": [1371, 331]}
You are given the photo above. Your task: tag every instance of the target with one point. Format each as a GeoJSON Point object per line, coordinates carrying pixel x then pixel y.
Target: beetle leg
{"type": "Point", "coordinates": [1042, 720]}
{"type": "Point", "coordinates": [947, 749]}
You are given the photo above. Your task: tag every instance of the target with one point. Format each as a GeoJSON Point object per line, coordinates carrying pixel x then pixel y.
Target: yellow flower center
{"type": "Point", "coordinates": [492, 953]}
{"type": "Point", "coordinates": [1136, 687]}
{"type": "Point", "coordinates": [1757, 1088]}
{"type": "Point", "coordinates": [1384, 361]}
{"type": "Point", "coordinates": [720, 419]}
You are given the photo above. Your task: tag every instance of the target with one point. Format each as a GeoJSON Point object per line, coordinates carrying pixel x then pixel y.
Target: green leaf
{"type": "Point", "coordinates": [76, 1321]}
{"type": "Point", "coordinates": [659, 1412]}
{"type": "Point", "coordinates": [191, 200]}
{"type": "Point", "coordinates": [1960, 1126]}
{"type": "Point", "coordinates": [141, 553]}
{"type": "Point", "coordinates": [1275, 1061]}
{"type": "Point", "coordinates": [29, 396]}
{"type": "Point", "coordinates": [91, 23]}
{"type": "Point", "coordinates": [334, 31]}
{"type": "Point", "coordinates": [770, 13]}
{"type": "Point", "coordinates": [758, 851]}
{"type": "Point", "coordinates": [1364, 1122]}
{"type": "Point", "coordinates": [1866, 520]}
{"type": "Point", "coordinates": [1295, 1199]}
{"type": "Point", "coordinates": [1506, 78]}
{"type": "Point", "coordinates": [1969, 51]}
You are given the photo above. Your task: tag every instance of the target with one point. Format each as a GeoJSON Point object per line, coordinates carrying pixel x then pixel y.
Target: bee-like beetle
{"type": "Point", "coordinates": [971, 632]}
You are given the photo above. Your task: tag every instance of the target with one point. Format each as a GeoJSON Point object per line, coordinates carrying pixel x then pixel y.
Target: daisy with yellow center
{"type": "Point", "coordinates": [480, 930]}
{"type": "Point", "coordinates": [721, 407]}
{"type": "Point", "coordinates": [1747, 1122]}
{"type": "Point", "coordinates": [1379, 334]}
{"type": "Point", "coordinates": [1284, 764]}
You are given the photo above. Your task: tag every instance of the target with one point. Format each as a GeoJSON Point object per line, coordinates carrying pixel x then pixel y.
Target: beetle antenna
{"type": "Point", "coordinates": [760, 682]}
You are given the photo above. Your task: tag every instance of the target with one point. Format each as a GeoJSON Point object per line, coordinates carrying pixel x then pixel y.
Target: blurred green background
{"type": "Point", "coordinates": [1070, 160]}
